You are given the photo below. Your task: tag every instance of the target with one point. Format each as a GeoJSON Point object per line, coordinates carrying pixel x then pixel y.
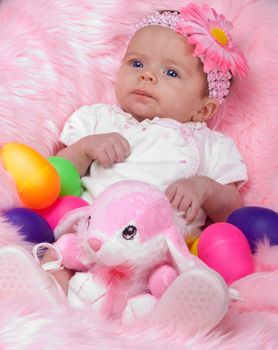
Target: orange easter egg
{"type": "Point", "coordinates": [37, 181]}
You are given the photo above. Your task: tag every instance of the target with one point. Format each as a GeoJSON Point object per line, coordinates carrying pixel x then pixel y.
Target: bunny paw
{"type": "Point", "coordinates": [138, 307]}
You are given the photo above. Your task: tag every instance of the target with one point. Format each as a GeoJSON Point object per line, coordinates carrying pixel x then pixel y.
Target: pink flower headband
{"type": "Point", "coordinates": [210, 33]}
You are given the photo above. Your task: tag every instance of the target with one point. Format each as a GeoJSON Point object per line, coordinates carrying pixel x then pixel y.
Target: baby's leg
{"type": "Point", "coordinates": [62, 276]}
{"type": "Point", "coordinates": [21, 276]}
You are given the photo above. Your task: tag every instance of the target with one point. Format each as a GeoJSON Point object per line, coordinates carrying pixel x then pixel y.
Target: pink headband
{"type": "Point", "coordinates": [210, 33]}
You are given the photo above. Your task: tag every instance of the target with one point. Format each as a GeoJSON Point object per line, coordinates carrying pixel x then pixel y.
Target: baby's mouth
{"type": "Point", "coordinates": [142, 93]}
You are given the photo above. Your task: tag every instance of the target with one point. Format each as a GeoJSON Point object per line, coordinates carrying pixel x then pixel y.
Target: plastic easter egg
{"type": "Point", "coordinates": [69, 176]}
{"type": "Point", "coordinates": [224, 248]}
{"type": "Point", "coordinates": [194, 247]}
{"type": "Point", "coordinates": [32, 226]}
{"type": "Point", "coordinates": [257, 224]}
{"type": "Point", "coordinates": [37, 181]}
{"type": "Point", "coordinates": [58, 209]}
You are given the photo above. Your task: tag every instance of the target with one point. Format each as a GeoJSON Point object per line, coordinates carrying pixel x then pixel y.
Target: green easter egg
{"type": "Point", "coordinates": [69, 176]}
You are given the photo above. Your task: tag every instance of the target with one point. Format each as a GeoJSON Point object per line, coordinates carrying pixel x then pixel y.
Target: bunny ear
{"type": "Point", "coordinates": [181, 261]}
{"type": "Point", "coordinates": [69, 220]}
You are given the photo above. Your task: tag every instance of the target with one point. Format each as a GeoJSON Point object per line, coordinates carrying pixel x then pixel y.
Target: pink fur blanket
{"type": "Point", "coordinates": [59, 54]}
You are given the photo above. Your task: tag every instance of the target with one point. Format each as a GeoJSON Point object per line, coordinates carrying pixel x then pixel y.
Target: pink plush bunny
{"type": "Point", "coordinates": [126, 248]}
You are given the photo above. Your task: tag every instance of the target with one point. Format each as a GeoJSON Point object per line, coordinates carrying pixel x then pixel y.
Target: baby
{"type": "Point", "coordinates": [176, 72]}
{"type": "Point", "coordinates": [171, 81]}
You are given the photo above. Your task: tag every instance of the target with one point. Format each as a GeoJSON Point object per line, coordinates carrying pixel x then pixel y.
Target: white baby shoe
{"type": "Point", "coordinates": [21, 276]}
{"type": "Point", "coordinates": [197, 300]}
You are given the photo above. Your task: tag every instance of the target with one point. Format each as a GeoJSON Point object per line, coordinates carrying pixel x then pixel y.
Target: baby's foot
{"type": "Point", "coordinates": [21, 276]}
{"type": "Point", "coordinates": [196, 301]}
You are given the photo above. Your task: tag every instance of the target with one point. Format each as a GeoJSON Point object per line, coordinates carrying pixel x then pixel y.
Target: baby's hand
{"type": "Point", "coordinates": [189, 195]}
{"type": "Point", "coordinates": [107, 148]}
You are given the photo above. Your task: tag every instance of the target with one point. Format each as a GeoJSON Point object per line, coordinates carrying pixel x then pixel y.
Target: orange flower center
{"type": "Point", "coordinates": [220, 36]}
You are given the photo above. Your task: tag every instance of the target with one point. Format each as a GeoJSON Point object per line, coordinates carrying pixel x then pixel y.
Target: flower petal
{"type": "Point", "coordinates": [196, 24]}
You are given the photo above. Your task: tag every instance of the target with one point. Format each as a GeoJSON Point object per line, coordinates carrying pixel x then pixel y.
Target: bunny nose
{"type": "Point", "coordinates": [95, 244]}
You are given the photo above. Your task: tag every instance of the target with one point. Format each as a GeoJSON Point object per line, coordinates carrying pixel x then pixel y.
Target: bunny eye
{"type": "Point", "coordinates": [89, 221]}
{"type": "Point", "coordinates": [129, 232]}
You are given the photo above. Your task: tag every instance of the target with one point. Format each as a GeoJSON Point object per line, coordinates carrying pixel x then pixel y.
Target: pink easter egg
{"type": "Point", "coordinates": [224, 248]}
{"type": "Point", "coordinates": [60, 207]}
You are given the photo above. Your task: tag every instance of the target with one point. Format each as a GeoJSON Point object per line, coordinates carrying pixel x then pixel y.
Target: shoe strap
{"type": "Point", "coordinates": [50, 266]}
{"type": "Point", "coordinates": [235, 296]}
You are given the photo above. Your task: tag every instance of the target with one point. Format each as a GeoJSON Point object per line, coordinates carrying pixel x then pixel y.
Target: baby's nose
{"type": "Point", "coordinates": [148, 76]}
{"type": "Point", "coordinates": [95, 244]}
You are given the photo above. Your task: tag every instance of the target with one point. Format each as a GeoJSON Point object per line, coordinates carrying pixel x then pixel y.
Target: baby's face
{"type": "Point", "coordinates": [160, 77]}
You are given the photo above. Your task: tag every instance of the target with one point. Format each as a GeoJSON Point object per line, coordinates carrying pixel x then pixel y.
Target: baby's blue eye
{"type": "Point", "coordinates": [172, 73]}
{"type": "Point", "coordinates": [137, 64]}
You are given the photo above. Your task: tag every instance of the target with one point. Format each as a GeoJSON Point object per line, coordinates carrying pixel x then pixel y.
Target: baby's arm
{"type": "Point", "coordinates": [75, 153]}
{"type": "Point", "coordinates": [107, 148]}
{"type": "Point", "coordinates": [218, 200]}
{"type": "Point", "coordinates": [222, 201]}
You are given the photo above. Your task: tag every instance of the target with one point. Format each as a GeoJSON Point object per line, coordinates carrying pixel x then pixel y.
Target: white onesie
{"type": "Point", "coordinates": [162, 151]}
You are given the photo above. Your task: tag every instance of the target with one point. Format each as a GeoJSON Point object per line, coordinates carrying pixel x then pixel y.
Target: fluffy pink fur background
{"type": "Point", "coordinates": [56, 55]}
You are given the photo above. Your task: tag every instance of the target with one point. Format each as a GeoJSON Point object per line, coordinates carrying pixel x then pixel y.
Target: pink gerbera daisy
{"type": "Point", "coordinates": [210, 33]}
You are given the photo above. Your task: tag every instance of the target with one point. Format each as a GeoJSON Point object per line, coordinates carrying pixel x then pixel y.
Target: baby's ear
{"type": "Point", "coordinates": [207, 111]}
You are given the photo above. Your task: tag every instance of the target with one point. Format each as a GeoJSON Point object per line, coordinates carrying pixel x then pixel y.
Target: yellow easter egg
{"type": "Point", "coordinates": [37, 181]}
{"type": "Point", "coordinates": [194, 247]}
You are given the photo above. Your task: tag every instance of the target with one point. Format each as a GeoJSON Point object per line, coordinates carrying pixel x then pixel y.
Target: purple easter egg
{"type": "Point", "coordinates": [257, 224]}
{"type": "Point", "coordinates": [33, 227]}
